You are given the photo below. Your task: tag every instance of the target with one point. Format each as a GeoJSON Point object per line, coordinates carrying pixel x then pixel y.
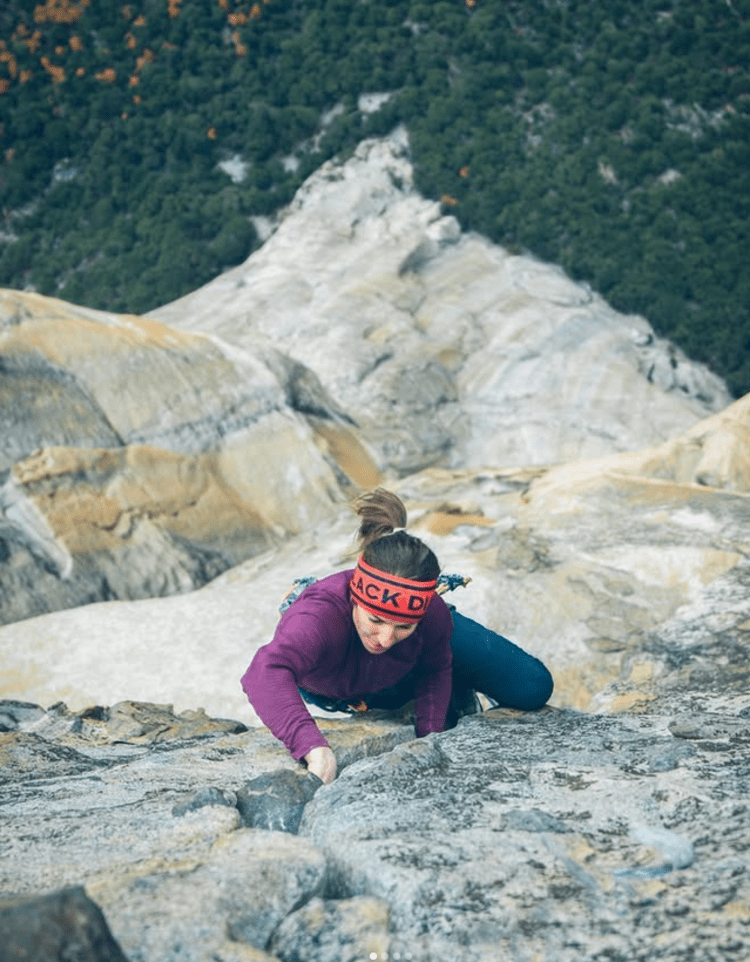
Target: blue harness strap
{"type": "Point", "coordinates": [298, 586]}
{"type": "Point", "coordinates": [332, 704]}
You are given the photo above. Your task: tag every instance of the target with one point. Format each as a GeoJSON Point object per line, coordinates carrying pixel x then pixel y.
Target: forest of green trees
{"type": "Point", "coordinates": [612, 138]}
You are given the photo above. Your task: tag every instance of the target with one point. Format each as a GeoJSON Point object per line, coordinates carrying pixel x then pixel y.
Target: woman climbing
{"type": "Point", "coordinates": [377, 637]}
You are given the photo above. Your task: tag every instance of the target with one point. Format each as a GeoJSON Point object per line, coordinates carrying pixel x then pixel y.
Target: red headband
{"type": "Point", "coordinates": [390, 596]}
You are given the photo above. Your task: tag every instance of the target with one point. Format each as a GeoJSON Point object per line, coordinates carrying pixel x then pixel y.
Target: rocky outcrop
{"type": "Point", "coordinates": [62, 925]}
{"type": "Point", "coordinates": [559, 834]}
{"type": "Point", "coordinates": [446, 350]}
{"type": "Point", "coordinates": [369, 338]}
{"type": "Point", "coordinates": [138, 461]}
{"type": "Point", "coordinates": [577, 563]}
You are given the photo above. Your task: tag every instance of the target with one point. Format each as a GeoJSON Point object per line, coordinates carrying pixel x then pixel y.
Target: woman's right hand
{"type": "Point", "coordinates": [321, 762]}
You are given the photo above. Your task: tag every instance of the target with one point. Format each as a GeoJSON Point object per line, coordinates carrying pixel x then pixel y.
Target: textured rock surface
{"type": "Point", "coordinates": [443, 348]}
{"type": "Point", "coordinates": [577, 563]}
{"type": "Point", "coordinates": [557, 835]}
{"type": "Point", "coordinates": [138, 461]}
{"type": "Point", "coordinates": [64, 925]}
{"type": "Point", "coordinates": [340, 930]}
{"type": "Point", "coordinates": [276, 800]}
{"type": "Point", "coordinates": [369, 336]}
{"type": "Point", "coordinates": [141, 805]}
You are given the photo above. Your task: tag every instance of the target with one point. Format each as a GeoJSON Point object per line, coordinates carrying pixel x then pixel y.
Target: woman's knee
{"type": "Point", "coordinates": [528, 690]}
{"type": "Point", "coordinates": [538, 688]}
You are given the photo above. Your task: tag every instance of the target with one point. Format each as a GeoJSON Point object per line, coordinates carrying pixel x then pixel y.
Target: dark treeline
{"type": "Point", "coordinates": [610, 138]}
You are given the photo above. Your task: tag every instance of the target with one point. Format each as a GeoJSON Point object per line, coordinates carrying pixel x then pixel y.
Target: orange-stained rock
{"type": "Point", "coordinates": [140, 460]}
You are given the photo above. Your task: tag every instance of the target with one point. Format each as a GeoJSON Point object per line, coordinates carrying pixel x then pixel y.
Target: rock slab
{"type": "Point", "coordinates": [444, 349]}
{"type": "Point", "coordinates": [63, 925]}
{"type": "Point", "coordinates": [558, 834]}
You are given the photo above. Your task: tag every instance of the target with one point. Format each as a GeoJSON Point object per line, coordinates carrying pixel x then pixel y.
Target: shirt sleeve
{"type": "Point", "coordinates": [432, 691]}
{"type": "Point", "coordinates": [271, 681]}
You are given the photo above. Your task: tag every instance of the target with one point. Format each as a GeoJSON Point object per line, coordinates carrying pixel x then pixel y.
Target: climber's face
{"type": "Point", "coordinates": [379, 634]}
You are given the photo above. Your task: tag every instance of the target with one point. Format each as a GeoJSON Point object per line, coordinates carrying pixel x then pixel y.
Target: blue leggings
{"type": "Point", "coordinates": [486, 662]}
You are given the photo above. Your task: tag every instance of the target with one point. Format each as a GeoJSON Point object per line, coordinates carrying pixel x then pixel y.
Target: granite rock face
{"type": "Point", "coordinates": [446, 350]}
{"type": "Point", "coordinates": [589, 480]}
{"type": "Point", "coordinates": [138, 461]}
{"type": "Point", "coordinates": [368, 339]}
{"type": "Point", "coordinates": [559, 834]}
{"type": "Point", "coordinates": [555, 836]}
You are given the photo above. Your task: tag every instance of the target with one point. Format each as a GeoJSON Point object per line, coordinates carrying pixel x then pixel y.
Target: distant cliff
{"type": "Point", "coordinates": [369, 338]}
{"type": "Point", "coordinates": [443, 348]}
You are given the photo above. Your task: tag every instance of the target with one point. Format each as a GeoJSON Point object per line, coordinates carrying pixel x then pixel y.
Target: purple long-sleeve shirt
{"type": "Point", "coordinates": [316, 647]}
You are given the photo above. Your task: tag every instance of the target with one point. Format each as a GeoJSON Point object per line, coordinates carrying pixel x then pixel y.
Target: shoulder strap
{"type": "Point", "coordinates": [298, 586]}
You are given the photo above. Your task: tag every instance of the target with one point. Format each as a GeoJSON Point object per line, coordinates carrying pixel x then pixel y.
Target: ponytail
{"type": "Point", "coordinates": [381, 512]}
{"type": "Point", "coordinates": [384, 545]}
